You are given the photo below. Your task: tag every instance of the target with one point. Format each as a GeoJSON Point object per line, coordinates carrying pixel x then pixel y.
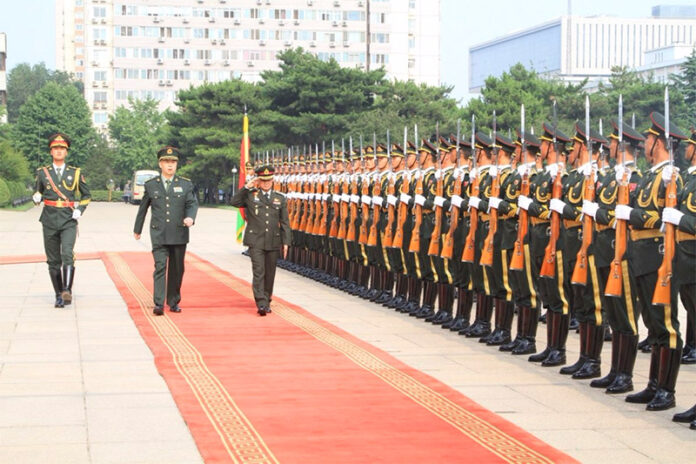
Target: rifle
{"type": "Point", "coordinates": [615, 280]}
{"type": "Point", "coordinates": [579, 276]}
{"type": "Point", "coordinates": [663, 288]}
{"type": "Point", "coordinates": [376, 192]}
{"type": "Point", "coordinates": [517, 260]}
{"type": "Point", "coordinates": [414, 245]}
{"type": "Point", "coordinates": [434, 246]}
{"type": "Point", "coordinates": [364, 192]}
{"type": "Point", "coordinates": [306, 225]}
{"type": "Point", "coordinates": [388, 237]}
{"type": "Point", "coordinates": [353, 216]}
{"type": "Point", "coordinates": [469, 245]}
{"type": "Point", "coordinates": [335, 192]}
{"type": "Point", "coordinates": [345, 186]}
{"type": "Point", "coordinates": [448, 242]}
{"type": "Point", "coordinates": [487, 251]}
{"type": "Point", "coordinates": [323, 224]}
{"type": "Point", "coordinates": [548, 266]}
{"type": "Point", "coordinates": [402, 214]}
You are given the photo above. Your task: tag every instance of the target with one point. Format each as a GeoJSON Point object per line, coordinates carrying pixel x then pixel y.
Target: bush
{"type": "Point", "coordinates": [103, 195]}
{"type": "Point", "coordinates": [17, 189]}
{"type": "Point", "coordinates": [4, 193]}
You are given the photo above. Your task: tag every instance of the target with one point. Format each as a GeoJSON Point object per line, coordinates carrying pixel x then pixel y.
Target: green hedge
{"type": "Point", "coordinates": [5, 195]}
{"type": "Point", "coordinates": [103, 195]}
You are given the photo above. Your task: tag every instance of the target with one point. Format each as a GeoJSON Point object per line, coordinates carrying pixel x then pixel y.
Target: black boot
{"type": "Point", "coordinates": [646, 395]}
{"type": "Point", "coordinates": [429, 296]}
{"type": "Point", "coordinates": [445, 299]}
{"type": "Point", "coordinates": [465, 301]}
{"type": "Point", "coordinates": [628, 350]}
{"type": "Point", "coordinates": [607, 380]}
{"type": "Point", "coordinates": [530, 323]}
{"type": "Point", "coordinates": [68, 276]}
{"type": "Point", "coordinates": [519, 336]}
{"type": "Point", "coordinates": [506, 314]}
{"type": "Point", "coordinates": [685, 417]}
{"type": "Point", "coordinates": [57, 282]}
{"type": "Point", "coordinates": [399, 293]}
{"type": "Point", "coordinates": [557, 355]}
{"type": "Point", "coordinates": [592, 367]}
{"type": "Point", "coordinates": [573, 368]}
{"type": "Point", "coordinates": [484, 311]}
{"type": "Point", "coordinates": [644, 345]}
{"type": "Point", "coordinates": [539, 357]}
{"type": "Point", "coordinates": [439, 289]}
{"type": "Point", "coordinates": [414, 299]}
{"type": "Point", "coordinates": [387, 281]}
{"type": "Point", "coordinates": [497, 319]}
{"type": "Point", "coordinates": [670, 360]}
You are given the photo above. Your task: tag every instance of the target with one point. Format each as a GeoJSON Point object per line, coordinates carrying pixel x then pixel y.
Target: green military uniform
{"type": "Point", "coordinates": [267, 230]}
{"type": "Point", "coordinates": [65, 196]}
{"type": "Point", "coordinates": [170, 206]}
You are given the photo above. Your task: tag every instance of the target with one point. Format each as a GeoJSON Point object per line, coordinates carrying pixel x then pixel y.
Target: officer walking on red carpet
{"type": "Point", "coordinates": [174, 208]}
{"type": "Point", "coordinates": [267, 231]}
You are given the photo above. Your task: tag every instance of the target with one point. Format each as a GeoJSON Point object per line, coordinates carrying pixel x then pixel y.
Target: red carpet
{"type": "Point", "coordinates": [291, 388]}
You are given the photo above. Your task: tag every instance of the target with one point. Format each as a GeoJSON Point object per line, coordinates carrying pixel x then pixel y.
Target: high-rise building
{"type": "Point", "coordinates": [3, 75]}
{"type": "Point", "coordinates": [153, 48]}
{"type": "Point", "coordinates": [573, 48]}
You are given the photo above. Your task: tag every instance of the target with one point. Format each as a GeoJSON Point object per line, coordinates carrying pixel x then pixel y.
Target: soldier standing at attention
{"type": "Point", "coordinates": [174, 208]}
{"type": "Point", "coordinates": [267, 231]}
{"type": "Point", "coordinates": [65, 196]}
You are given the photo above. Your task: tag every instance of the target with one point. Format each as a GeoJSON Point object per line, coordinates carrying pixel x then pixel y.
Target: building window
{"type": "Point", "coordinates": [99, 97]}
{"type": "Point", "coordinates": [100, 117]}
{"type": "Point", "coordinates": [99, 12]}
{"type": "Point", "coordinates": [99, 75]}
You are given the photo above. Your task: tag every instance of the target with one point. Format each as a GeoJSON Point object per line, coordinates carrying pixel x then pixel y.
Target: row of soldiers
{"type": "Point", "coordinates": [564, 223]}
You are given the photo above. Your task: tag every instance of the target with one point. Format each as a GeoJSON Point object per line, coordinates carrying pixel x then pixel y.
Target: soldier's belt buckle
{"type": "Point", "coordinates": [661, 248]}
{"type": "Point", "coordinates": [548, 231]}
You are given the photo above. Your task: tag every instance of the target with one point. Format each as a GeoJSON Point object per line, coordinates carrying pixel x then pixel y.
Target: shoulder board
{"type": "Point", "coordinates": [71, 167]}
{"type": "Point", "coordinates": [152, 179]}
{"type": "Point", "coordinates": [185, 178]}
{"type": "Point", "coordinates": [41, 168]}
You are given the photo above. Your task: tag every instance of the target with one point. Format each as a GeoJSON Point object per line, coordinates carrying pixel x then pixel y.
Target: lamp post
{"type": "Point", "coordinates": [234, 178]}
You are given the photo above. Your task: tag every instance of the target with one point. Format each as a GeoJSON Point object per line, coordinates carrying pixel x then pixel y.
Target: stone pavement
{"type": "Point", "coordinates": [80, 386]}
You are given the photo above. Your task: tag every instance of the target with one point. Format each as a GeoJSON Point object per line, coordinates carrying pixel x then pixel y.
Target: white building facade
{"type": "Point", "coordinates": [3, 75]}
{"type": "Point", "coordinates": [574, 48]}
{"type": "Point", "coordinates": [153, 48]}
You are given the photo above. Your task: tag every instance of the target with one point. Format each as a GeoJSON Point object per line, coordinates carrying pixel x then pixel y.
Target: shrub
{"type": "Point", "coordinates": [4, 193]}
{"type": "Point", "coordinates": [103, 195]}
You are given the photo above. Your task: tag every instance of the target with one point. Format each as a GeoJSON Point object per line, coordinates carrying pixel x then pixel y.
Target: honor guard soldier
{"type": "Point", "coordinates": [267, 232]}
{"type": "Point", "coordinates": [174, 208]}
{"type": "Point", "coordinates": [620, 301]}
{"type": "Point", "coordinates": [65, 196]}
{"type": "Point", "coordinates": [685, 220]}
{"type": "Point", "coordinates": [646, 255]}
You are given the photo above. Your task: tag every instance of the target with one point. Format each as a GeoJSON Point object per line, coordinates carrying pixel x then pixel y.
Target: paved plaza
{"type": "Point", "coordinates": [79, 385]}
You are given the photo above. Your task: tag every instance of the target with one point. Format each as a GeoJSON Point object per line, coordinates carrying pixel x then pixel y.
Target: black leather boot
{"type": "Point", "coordinates": [573, 368]}
{"type": "Point", "coordinates": [497, 319]}
{"type": "Point", "coordinates": [530, 323]}
{"type": "Point", "coordinates": [557, 355]}
{"type": "Point", "coordinates": [670, 360]}
{"type": "Point", "coordinates": [539, 357]}
{"type": "Point", "coordinates": [592, 367]}
{"type": "Point", "coordinates": [506, 314]}
{"type": "Point", "coordinates": [68, 277]}
{"type": "Point", "coordinates": [628, 350]}
{"type": "Point", "coordinates": [387, 281]}
{"type": "Point", "coordinates": [429, 296]}
{"type": "Point", "coordinates": [685, 417]}
{"type": "Point", "coordinates": [445, 299]}
{"type": "Point", "coordinates": [646, 395]}
{"type": "Point", "coordinates": [607, 380]}
{"type": "Point", "coordinates": [439, 289]}
{"type": "Point", "coordinates": [482, 326]}
{"type": "Point", "coordinates": [399, 292]}
{"type": "Point", "coordinates": [414, 299]}
{"type": "Point", "coordinates": [519, 336]}
{"type": "Point", "coordinates": [375, 284]}
{"type": "Point", "coordinates": [478, 315]}
{"type": "Point", "coordinates": [465, 301]}
{"type": "Point", "coordinates": [57, 282]}
{"type": "Point", "coordinates": [644, 345]}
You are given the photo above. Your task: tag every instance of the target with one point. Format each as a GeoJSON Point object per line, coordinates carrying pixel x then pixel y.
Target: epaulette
{"type": "Point", "coordinates": [69, 166]}
{"type": "Point", "coordinates": [152, 179]}
{"type": "Point", "coordinates": [41, 168]}
{"type": "Point", "coordinates": [185, 178]}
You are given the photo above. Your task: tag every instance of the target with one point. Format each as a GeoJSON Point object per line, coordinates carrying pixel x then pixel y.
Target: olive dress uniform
{"type": "Point", "coordinates": [168, 234]}
{"type": "Point", "coordinates": [62, 193]}
{"type": "Point", "coordinates": [267, 230]}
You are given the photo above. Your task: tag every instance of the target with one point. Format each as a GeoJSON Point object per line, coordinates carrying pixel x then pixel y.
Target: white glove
{"type": "Point", "coordinates": [473, 173]}
{"type": "Point", "coordinates": [522, 169]}
{"type": "Point", "coordinates": [623, 212]}
{"type": "Point", "coordinates": [523, 202]}
{"type": "Point", "coordinates": [391, 199]}
{"type": "Point", "coordinates": [76, 214]}
{"type": "Point", "coordinates": [671, 215]}
{"type": "Point", "coordinates": [345, 197]}
{"type": "Point", "coordinates": [667, 173]}
{"type": "Point", "coordinates": [457, 201]}
{"type": "Point", "coordinates": [620, 171]}
{"type": "Point", "coordinates": [493, 171]}
{"type": "Point", "coordinates": [494, 202]}
{"type": "Point", "coordinates": [420, 200]}
{"type": "Point", "coordinates": [586, 169]}
{"type": "Point", "coordinates": [405, 198]}
{"type": "Point", "coordinates": [557, 205]}
{"type": "Point", "coordinates": [366, 199]}
{"type": "Point", "coordinates": [354, 199]}
{"type": "Point", "coordinates": [552, 169]}
{"type": "Point", "coordinates": [392, 177]}
{"type": "Point", "coordinates": [377, 201]}
{"type": "Point", "coordinates": [324, 196]}
{"type": "Point", "coordinates": [474, 202]}
{"type": "Point", "coordinates": [456, 173]}
{"type": "Point", "coordinates": [438, 174]}
{"type": "Point", "coordinates": [590, 208]}
{"type": "Point", "coordinates": [336, 198]}
{"type": "Point", "coordinates": [439, 201]}
{"type": "Point", "coordinates": [418, 174]}
{"type": "Point", "coordinates": [407, 176]}
{"type": "Point", "coordinates": [36, 197]}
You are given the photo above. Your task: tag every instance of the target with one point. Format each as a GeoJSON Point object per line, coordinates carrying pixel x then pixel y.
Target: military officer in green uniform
{"type": "Point", "coordinates": [267, 232]}
{"type": "Point", "coordinates": [65, 196]}
{"type": "Point", "coordinates": [174, 208]}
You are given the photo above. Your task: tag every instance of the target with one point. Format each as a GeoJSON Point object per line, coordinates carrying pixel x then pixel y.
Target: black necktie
{"type": "Point", "coordinates": [167, 183]}
{"type": "Point", "coordinates": [59, 171]}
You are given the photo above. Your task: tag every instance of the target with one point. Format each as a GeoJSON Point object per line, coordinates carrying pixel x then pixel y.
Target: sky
{"type": "Point", "coordinates": [30, 27]}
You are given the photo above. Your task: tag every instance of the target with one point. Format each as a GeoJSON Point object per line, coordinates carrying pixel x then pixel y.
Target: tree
{"type": "Point", "coordinates": [99, 167]}
{"type": "Point", "coordinates": [13, 166]}
{"type": "Point", "coordinates": [686, 84]}
{"type": "Point", "coordinates": [24, 80]}
{"type": "Point", "coordinates": [54, 108]}
{"type": "Point", "coordinates": [136, 133]}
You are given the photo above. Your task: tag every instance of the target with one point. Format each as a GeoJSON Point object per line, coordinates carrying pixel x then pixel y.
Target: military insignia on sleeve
{"type": "Point", "coordinates": [545, 184]}
{"type": "Point", "coordinates": [48, 187]}
{"type": "Point", "coordinates": [516, 182]}
{"type": "Point", "coordinates": [612, 183]}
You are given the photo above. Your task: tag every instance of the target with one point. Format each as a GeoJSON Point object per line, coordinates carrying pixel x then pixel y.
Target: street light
{"type": "Point", "coordinates": [234, 178]}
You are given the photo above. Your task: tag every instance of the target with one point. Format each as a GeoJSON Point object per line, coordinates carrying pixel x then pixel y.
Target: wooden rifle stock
{"type": "Point", "coordinates": [414, 245]}
{"type": "Point", "coordinates": [663, 287]}
{"type": "Point", "coordinates": [333, 230]}
{"type": "Point", "coordinates": [295, 220]}
{"type": "Point", "coordinates": [314, 227]}
{"type": "Point", "coordinates": [376, 212]}
{"type": "Point", "coordinates": [353, 216]}
{"type": "Point", "coordinates": [615, 281]}
{"type": "Point", "coordinates": [388, 238]}
{"type": "Point", "coordinates": [402, 215]}
{"type": "Point", "coordinates": [434, 245]}
{"type": "Point", "coordinates": [447, 251]}
{"type": "Point", "coordinates": [487, 251]}
{"type": "Point", "coordinates": [364, 209]}
{"type": "Point", "coordinates": [579, 276]}
{"type": "Point", "coordinates": [306, 223]}
{"type": "Point", "coordinates": [469, 252]}
{"type": "Point", "coordinates": [343, 210]}
{"type": "Point", "coordinates": [517, 260]}
{"type": "Point", "coordinates": [323, 225]}
{"type": "Point", "coordinates": [548, 267]}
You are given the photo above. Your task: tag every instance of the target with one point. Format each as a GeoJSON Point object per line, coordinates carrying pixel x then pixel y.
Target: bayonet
{"type": "Point", "coordinates": [621, 147]}
{"type": "Point", "coordinates": [587, 127]}
{"type": "Point", "coordinates": [524, 147]}
{"type": "Point", "coordinates": [459, 133]}
{"type": "Point", "coordinates": [389, 163]}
